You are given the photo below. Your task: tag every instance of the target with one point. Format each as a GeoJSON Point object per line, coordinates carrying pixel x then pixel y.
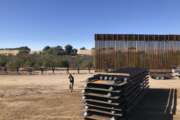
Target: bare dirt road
{"type": "Point", "coordinates": [46, 97]}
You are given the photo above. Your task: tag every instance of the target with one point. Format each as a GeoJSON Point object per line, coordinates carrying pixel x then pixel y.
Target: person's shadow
{"type": "Point", "coordinates": [157, 104]}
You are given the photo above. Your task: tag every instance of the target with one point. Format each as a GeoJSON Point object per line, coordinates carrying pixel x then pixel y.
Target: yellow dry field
{"type": "Point", "coordinates": [46, 97]}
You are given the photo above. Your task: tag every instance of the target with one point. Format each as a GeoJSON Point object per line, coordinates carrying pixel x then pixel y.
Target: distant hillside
{"type": "Point", "coordinates": [13, 51]}
{"type": "Point", "coordinates": [88, 52]}
{"type": "Point", "coordinates": [9, 51]}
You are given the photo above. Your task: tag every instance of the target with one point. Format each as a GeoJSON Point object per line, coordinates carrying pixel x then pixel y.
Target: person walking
{"type": "Point", "coordinates": [71, 81]}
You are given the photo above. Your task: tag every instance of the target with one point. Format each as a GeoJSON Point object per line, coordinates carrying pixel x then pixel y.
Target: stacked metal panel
{"type": "Point", "coordinates": [113, 95]}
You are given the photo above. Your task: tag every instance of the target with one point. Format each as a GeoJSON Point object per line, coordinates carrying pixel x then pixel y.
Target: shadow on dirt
{"type": "Point", "coordinates": [157, 104]}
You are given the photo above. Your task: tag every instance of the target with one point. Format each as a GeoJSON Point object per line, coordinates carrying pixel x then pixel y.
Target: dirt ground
{"type": "Point", "coordinates": [46, 97]}
{"type": "Point", "coordinates": [40, 97]}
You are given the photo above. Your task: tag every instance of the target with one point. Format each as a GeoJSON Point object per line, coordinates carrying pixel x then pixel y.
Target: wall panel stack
{"type": "Point", "coordinates": [112, 96]}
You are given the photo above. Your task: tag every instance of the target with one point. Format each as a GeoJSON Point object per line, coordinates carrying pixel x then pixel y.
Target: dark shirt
{"type": "Point", "coordinates": [71, 79]}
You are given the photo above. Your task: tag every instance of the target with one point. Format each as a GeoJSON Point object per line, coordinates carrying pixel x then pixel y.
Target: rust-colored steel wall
{"type": "Point", "coordinates": [114, 51]}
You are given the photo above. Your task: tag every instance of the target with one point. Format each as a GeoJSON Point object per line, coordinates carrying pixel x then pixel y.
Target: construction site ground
{"type": "Point", "coordinates": [46, 97]}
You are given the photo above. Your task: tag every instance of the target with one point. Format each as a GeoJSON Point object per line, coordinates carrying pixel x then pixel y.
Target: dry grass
{"type": "Point", "coordinates": [46, 97]}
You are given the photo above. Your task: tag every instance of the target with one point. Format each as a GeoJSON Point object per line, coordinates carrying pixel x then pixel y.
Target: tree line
{"type": "Point", "coordinates": [49, 57]}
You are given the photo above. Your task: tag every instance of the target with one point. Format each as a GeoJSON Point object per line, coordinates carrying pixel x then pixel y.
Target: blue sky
{"type": "Point", "coordinates": [37, 23]}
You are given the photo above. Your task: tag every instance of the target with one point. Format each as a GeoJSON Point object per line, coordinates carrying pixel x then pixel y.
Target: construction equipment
{"type": "Point", "coordinates": [111, 96]}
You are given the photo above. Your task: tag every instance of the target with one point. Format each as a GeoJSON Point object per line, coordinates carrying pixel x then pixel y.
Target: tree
{"type": "Point", "coordinates": [46, 48]}
{"type": "Point", "coordinates": [74, 52]}
{"type": "Point", "coordinates": [39, 59]}
{"type": "Point", "coordinates": [3, 61]}
{"type": "Point", "coordinates": [50, 58]}
{"type": "Point", "coordinates": [65, 63]}
{"type": "Point", "coordinates": [58, 50]}
{"type": "Point", "coordinates": [68, 49]}
{"type": "Point", "coordinates": [83, 48]}
{"type": "Point", "coordinates": [24, 50]}
{"type": "Point", "coordinates": [14, 63]}
{"type": "Point", "coordinates": [29, 63]}
{"type": "Point", "coordinates": [79, 61]}
{"type": "Point", "coordinates": [50, 51]}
